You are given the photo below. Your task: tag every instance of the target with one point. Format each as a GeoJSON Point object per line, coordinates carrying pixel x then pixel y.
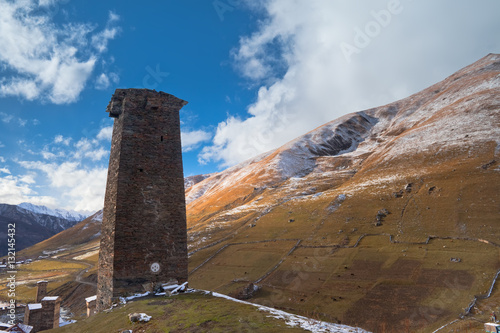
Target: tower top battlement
{"type": "Point", "coordinates": [127, 99]}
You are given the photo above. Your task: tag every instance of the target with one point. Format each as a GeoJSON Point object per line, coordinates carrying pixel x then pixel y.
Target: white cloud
{"type": "Point", "coordinates": [14, 190]}
{"type": "Point", "coordinates": [306, 79]}
{"type": "Point", "coordinates": [90, 149]}
{"type": "Point", "coordinates": [48, 155]}
{"type": "Point", "coordinates": [74, 174]}
{"type": "Point", "coordinates": [61, 139]}
{"type": "Point", "coordinates": [82, 188]}
{"type": "Point", "coordinates": [19, 87]}
{"type": "Point", "coordinates": [8, 118]}
{"type": "Point", "coordinates": [191, 140]}
{"type": "Point", "coordinates": [5, 170]}
{"type": "Point", "coordinates": [105, 133]}
{"type": "Point", "coordinates": [42, 60]}
{"type": "Point", "coordinates": [113, 17]}
{"type": "Point", "coordinates": [83, 145]}
{"type": "Point", "coordinates": [103, 81]}
{"type": "Point", "coordinates": [101, 39]}
{"type": "Point", "coordinates": [27, 179]}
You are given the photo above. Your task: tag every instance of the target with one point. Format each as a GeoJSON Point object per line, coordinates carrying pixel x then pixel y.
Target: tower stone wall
{"type": "Point", "coordinates": [44, 315]}
{"type": "Point", "coordinates": [41, 290]}
{"type": "Point", "coordinates": [143, 235]}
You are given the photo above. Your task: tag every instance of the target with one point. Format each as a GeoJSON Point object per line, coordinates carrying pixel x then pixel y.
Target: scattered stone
{"type": "Point", "coordinates": [456, 260]}
{"type": "Point", "coordinates": [158, 288]}
{"type": "Point", "coordinates": [336, 203]}
{"type": "Point", "coordinates": [291, 220]}
{"type": "Point", "coordinates": [409, 187]}
{"type": "Point", "coordinates": [381, 214]}
{"type": "Point", "coordinates": [253, 225]}
{"type": "Point", "coordinates": [398, 194]}
{"type": "Point", "coordinates": [248, 291]}
{"type": "Point", "coordinates": [488, 165]}
{"type": "Point", "coordinates": [148, 287]}
{"type": "Point", "coordinates": [139, 317]}
{"type": "Point", "coordinates": [432, 189]}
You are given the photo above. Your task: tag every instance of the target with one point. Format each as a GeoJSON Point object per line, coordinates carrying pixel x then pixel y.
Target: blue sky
{"type": "Point", "coordinates": [256, 75]}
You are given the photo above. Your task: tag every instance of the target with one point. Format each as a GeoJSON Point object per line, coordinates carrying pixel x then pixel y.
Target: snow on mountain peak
{"type": "Point", "coordinates": [61, 213]}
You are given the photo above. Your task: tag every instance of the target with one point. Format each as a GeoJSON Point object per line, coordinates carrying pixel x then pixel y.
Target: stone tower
{"type": "Point", "coordinates": [41, 290]}
{"type": "Point", "coordinates": [144, 239]}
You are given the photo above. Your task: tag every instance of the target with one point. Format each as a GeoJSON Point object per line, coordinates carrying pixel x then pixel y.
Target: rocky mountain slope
{"type": "Point", "coordinates": [33, 224]}
{"type": "Point", "coordinates": [65, 214]}
{"type": "Point", "coordinates": [386, 219]}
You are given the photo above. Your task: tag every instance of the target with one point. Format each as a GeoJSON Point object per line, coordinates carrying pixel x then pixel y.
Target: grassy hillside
{"type": "Point", "coordinates": [194, 312]}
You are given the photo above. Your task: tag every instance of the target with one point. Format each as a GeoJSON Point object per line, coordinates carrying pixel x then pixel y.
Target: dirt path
{"type": "Point", "coordinates": [79, 275]}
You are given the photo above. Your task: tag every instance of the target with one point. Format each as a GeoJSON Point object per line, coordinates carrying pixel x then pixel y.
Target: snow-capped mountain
{"type": "Point", "coordinates": [61, 213]}
{"type": "Point", "coordinates": [31, 227]}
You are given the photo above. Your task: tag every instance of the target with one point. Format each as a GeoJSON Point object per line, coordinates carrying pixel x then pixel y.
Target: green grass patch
{"type": "Point", "coordinates": [194, 312]}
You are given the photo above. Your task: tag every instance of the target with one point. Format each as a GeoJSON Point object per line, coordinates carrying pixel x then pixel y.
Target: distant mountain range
{"type": "Point", "coordinates": [34, 223]}
{"type": "Point", "coordinates": [64, 214]}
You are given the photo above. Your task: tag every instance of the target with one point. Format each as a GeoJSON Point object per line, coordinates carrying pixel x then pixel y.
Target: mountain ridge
{"type": "Point", "coordinates": [31, 227]}
{"type": "Point", "coordinates": [62, 213]}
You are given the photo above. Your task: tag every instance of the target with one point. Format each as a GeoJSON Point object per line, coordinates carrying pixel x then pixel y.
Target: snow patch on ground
{"type": "Point", "coordinates": [98, 216]}
{"type": "Point", "coordinates": [63, 322]}
{"type": "Point", "coordinates": [378, 182]}
{"type": "Point", "coordinates": [296, 320]}
{"type": "Point", "coordinates": [86, 255]}
{"type": "Point", "coordinates": [124, 300]}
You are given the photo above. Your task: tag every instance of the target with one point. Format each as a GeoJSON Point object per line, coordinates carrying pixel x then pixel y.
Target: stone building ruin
{"type": "Point", "coordinates": [144, 239]}
{"type": "Point", "coordinates": [45, 313]}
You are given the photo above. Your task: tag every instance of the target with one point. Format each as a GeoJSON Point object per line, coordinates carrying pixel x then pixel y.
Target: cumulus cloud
{"type": "Point", "coordinates": [192, 139]}
{"type": "Point", "coordinates": [103, 81]}
{"type": "Point", "coordinates": [89, 148]}
{"type": "Point", "coordinates": [41, 60]}
{"type": "Point", "coordinates": [317, 60]}
{"type": "Point", "coordinates": [82, 186]}
{"type": "Point", "coordinates": [105, 133]}
{"type": "Point", "coordinates": [62, 140]}
{"type": "Point", "coordinates": [72, 171]}
{"type": "Point", "coordinates": [14, 190]}
{"type": "Point", "coordinates": [5, 170]}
